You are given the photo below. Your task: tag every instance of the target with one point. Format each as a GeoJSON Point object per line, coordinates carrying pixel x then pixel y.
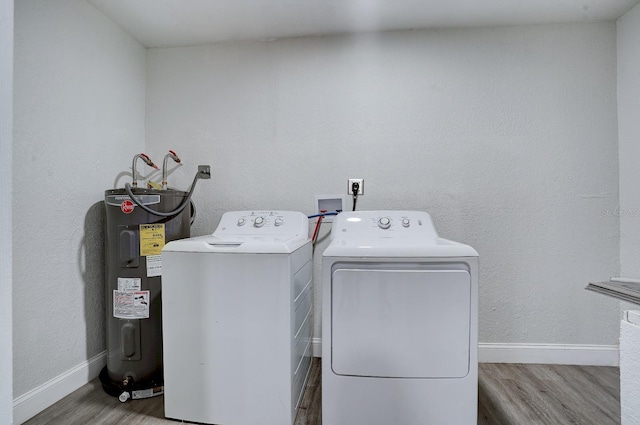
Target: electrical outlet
{"type": "Point", "coordinates": [204, 171]}
{"type": "Point", "coordinates": [350, 186]}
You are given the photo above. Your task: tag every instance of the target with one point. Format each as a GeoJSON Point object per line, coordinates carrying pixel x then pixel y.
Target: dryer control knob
{"type": "Point", "coordinates": [384, 223]}
{"type": "Point", "coordinates": [241, 221]}
{"type": "Point", "coordinates": [258, 222]}
{"type": "Point", "coordinates": [278, 222]}
{"type": "Point", "coordinates": [405, 222]}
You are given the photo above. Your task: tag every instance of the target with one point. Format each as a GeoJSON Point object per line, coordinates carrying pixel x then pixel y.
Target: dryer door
{"type": "Point", "coordinates": [400, 323]}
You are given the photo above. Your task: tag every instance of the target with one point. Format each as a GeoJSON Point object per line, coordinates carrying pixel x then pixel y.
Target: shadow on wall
{"type": "Point", "coordinates": [91, 264]}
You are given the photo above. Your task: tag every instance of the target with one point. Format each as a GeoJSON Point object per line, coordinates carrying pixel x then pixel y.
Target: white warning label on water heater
{"type": "Point", "coordinates": [129, 284]}
{"type": "Point", "coordinates": [131, 304]}
{"type": "Point", "coordinates": [154, 265]}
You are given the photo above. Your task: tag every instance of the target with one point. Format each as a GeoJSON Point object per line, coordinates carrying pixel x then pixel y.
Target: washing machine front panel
{"type": "Point", "coordinates": [393, 323]}
{"type": "Point", "coordinates": [226, 296]}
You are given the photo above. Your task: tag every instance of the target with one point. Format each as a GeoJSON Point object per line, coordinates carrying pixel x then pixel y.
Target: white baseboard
{"type": "Point", "coordinates": [568, 354]}
{"type": "Point", "coordinates": [33, 402]}
{"type": "Point", "coordinates": [316, 347]}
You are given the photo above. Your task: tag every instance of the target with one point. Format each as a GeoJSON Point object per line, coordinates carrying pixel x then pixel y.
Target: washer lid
{"type": "Point", "coordinates": [390, 234]}
{"type": "Point", "coordinates": [251, 232]}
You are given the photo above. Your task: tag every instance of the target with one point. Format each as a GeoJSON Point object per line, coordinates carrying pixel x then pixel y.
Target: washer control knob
{"type": "Point", "coordinates": [384, 223]}
{"type": "Point", "coordinates": [258, 222]}
{"type": "Point", "coordinates": [406, 222]}
{"type": "Point", "coordinates": [241, 221]}
{"type": "Point", "coordinates": [278, 222]}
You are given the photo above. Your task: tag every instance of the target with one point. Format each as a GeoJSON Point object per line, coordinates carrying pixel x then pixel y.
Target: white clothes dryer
{"type": "Point", "coordinates": [237, 320]}
{"type": "Point", "coordinates": [399, 323]}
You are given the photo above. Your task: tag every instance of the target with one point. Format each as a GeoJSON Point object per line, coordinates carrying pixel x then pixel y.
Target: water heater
{"type": "Point", "coordinates": [134, 240]}
{"type": "Point", "coordinates": [139, 222]}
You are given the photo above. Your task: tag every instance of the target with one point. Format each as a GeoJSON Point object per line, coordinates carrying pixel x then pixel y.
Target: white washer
{"type": "Point", "coordinates": [237, 320]}
{"type": "Point", "coordinates": [399, 323]}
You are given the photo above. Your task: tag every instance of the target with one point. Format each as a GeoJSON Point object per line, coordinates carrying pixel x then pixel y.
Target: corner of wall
{"type": "Point", "coordinates": [6, 142]}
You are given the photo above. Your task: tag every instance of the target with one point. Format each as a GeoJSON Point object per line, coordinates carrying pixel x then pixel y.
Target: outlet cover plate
{"type": "Point", "coordinates": [350, 183]}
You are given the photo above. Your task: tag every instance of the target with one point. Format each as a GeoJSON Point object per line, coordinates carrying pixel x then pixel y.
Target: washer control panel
{"type": "Point", "coordinates": [263, 223]}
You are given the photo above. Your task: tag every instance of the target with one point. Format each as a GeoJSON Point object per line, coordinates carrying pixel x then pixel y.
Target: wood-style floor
{"type": "Point", "coordinates": [548, 394]}
{"type": "Point", "coordinates": [509, 394]}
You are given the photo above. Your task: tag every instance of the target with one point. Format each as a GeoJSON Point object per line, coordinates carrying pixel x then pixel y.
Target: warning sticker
{"type": "Point", "coordinates": [150, 392]}
{"type": "Point", "coordinates": [154, 265]}
{"type": "Point", "coordinates": [151, 239]}
{"type": "Point", "coordinates": [129, 284]}
{"type": "Point", "coordinates": [131, 305]}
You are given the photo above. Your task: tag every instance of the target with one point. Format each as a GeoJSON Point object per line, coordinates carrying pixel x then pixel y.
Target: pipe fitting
{"type": "Point", "coordinates": [146, 160]}
{"type": "Point", "coordinates": [173, 156]}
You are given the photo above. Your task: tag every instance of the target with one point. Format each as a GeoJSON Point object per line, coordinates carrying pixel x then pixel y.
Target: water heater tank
{"type": "Point", "coordinates": [134, 240]}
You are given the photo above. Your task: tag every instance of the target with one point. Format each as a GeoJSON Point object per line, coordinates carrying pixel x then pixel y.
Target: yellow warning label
{"type": "Point", "coordinates": [151, 239]}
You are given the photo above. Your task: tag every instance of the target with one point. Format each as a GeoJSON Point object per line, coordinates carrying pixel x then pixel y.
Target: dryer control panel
{"type": "Point", "coordinates": [387, 224]}
{"type": "Point", "coordinates": [383, 233]}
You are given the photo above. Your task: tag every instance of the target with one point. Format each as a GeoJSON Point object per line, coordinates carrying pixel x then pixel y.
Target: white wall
{"type": "Point", "coordinates": [78, 121]}
{"type": "Point", "coordinates": [629, 146]}
{"type": "Point", "coordinates": [507, 136]}
{"type": "Point", "coordinates": [6, 137]}
{"type": "Point", "coordinates": [629, 137]}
